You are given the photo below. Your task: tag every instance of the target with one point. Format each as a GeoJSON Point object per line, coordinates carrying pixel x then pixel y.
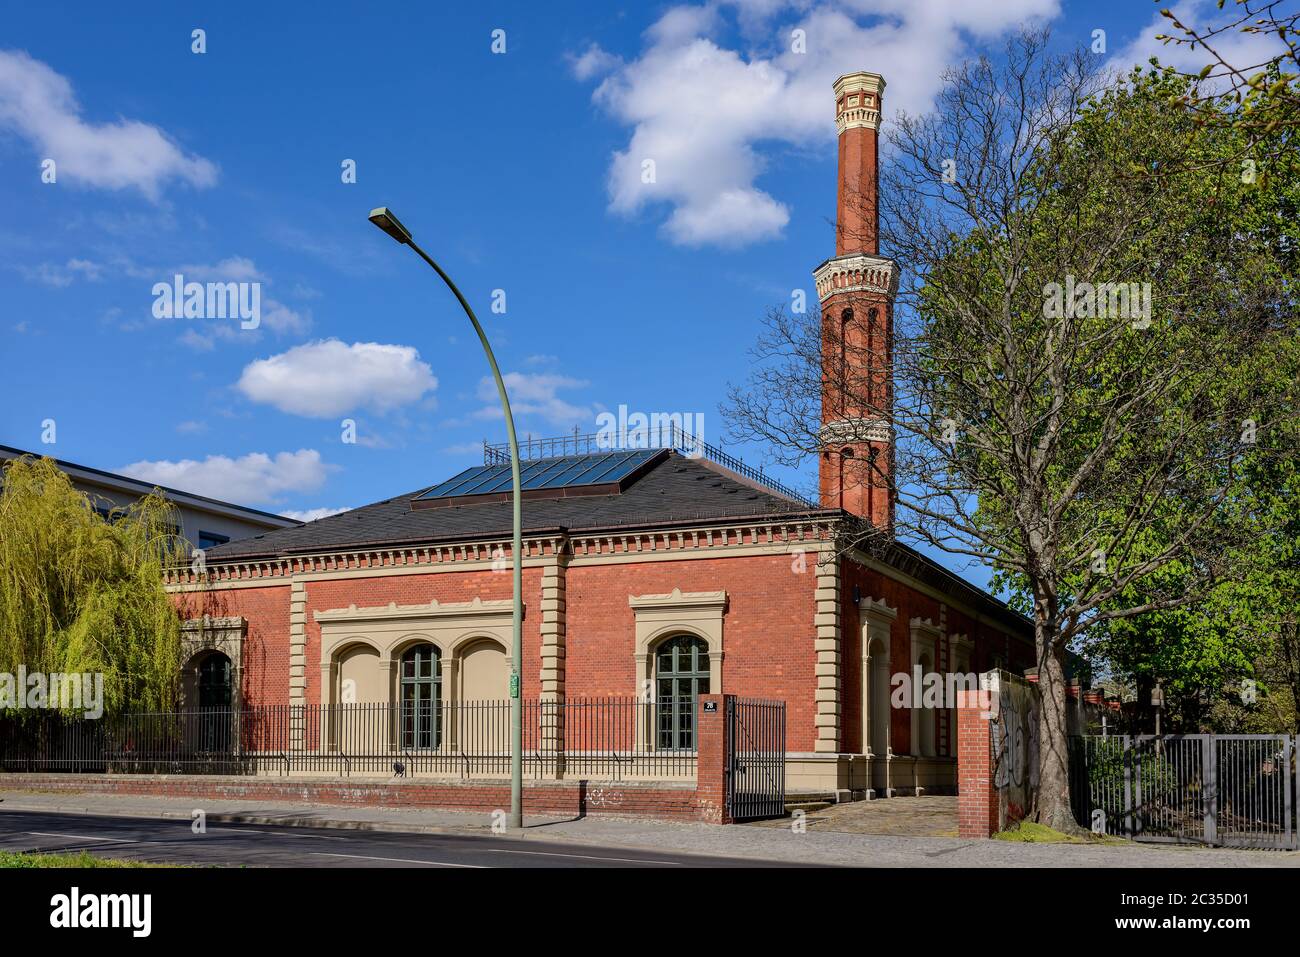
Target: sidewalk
{"type": "Point", "coordinates": [759, 842]}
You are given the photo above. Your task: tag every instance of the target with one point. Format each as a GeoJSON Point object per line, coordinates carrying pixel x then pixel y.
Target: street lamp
{"type": "Point", "coordinates": [385, 220]}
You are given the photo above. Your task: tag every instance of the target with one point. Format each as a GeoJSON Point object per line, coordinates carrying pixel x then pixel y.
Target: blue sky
{"type": "Point", "coordinates": [518, 170]}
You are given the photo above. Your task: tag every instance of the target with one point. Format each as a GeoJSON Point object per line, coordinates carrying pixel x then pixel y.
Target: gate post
{"type": "Point", "coordinates": [713, 758]}
{"type": "Point", "coordinates": [977, 796]}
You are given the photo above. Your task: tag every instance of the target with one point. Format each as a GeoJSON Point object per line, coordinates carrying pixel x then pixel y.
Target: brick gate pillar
{"type": "Point", "coordinates": [977, 796]}
{"type": "Point", "coordinates": [711, 760]}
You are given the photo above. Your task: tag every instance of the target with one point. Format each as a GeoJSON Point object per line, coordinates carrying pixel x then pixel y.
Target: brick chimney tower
{"type": "Point", "coordinates": [856, 290]}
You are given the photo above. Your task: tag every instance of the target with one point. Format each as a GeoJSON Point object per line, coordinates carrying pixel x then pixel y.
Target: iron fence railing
{"type": "Point", "coordinates": [1228, 789]}
{"type": "Point", "coordinates": [608, 738]}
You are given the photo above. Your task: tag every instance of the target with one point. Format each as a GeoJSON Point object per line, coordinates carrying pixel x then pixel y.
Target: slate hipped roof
{"type": "Point", "coordinates": [678, 489]}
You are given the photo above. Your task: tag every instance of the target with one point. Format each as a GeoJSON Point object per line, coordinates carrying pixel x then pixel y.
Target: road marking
{"type": "Point", "coordinates": [396, 860]}
{"type": "Point", "coordinates": [304, 837]}
{"type": "Point", "coordinates": [590, 857]}
{"type": "Point", "coordinates": [80, 837]}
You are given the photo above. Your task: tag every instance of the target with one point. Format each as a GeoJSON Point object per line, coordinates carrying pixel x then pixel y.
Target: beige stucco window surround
{"type": "Point", "coordinates": [199, 637]}
{"type": "Point", "coordinates": [369, 642]}
{"type": "Point", "coordinates": [961, 651]}
{"type": "Point", "coordinates": [658, 617]}
{"type": "Point", "coordinates": [877, 618]}
{"type": "Point", "coordinates": [925, 648]}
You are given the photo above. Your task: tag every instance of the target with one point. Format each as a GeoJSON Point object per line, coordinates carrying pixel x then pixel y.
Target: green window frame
{"type": "Point", "coordinates": [681, 676]}
{"type": "Point", "coordinates": [420, 687]}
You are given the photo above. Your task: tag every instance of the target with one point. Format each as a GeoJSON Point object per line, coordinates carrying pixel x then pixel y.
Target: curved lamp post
{"type": "Point", "coordinates": [385, 220]}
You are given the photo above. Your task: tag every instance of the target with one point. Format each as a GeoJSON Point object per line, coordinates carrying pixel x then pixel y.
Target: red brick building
{"type": "Point", "coordinates": [651, 572]}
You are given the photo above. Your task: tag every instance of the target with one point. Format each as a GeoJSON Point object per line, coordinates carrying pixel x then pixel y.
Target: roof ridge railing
{"type": "Point", "coordinates": [667, 436]}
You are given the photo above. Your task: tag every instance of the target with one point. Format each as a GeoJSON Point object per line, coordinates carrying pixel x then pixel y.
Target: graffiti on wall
{"type": "Point", "coordinates": [1015, 747]}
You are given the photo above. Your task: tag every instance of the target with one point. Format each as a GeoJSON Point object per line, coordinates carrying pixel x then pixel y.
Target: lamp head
{"type": "Point", "coordinates": [385, 220]}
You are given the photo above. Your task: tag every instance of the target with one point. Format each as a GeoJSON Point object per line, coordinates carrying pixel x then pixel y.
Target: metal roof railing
{"type": "Point", "coordinates": [666, 436]}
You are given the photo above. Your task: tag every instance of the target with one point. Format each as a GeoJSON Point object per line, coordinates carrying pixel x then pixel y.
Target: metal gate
{"type": "Point", "coordinates": [755, 756]}
{"type": "Point", "coordinates": [1235, 790]}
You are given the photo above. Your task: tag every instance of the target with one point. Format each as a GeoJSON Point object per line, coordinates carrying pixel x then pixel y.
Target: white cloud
{"type": "Point", "coordinates": [230, 269]}
{"type": "Point", "coordinates": [39, 105]}
{"type": "Point", "coordinates": [593, 62]}
{"type": "Point", "coordinates": [533, 394]}
{"type": "Point", "coordinates": [51, 274]}
{"type": "Point", "coordinates": [256, 477]}
{"type": "Point", "coordinates": [705, 113]}
{"type": "Point", "coordinates": [312, 514]}
{"type": "Point", "coordinates": [328, 378]}
{"type": "Point", "coordinates": [282, 320]}
{"type": "Point", "coordinates": [193, 339]}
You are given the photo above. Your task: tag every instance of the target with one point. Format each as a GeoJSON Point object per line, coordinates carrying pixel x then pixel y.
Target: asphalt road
{"type": "Point", "coordinates": [239, 845]}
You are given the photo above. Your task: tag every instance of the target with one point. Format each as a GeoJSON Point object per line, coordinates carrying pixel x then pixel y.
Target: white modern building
{"type": "Point", "coordinates": [205, 522]}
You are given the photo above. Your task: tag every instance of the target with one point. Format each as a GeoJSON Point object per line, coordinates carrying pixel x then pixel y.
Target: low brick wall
{"type": "Point", "coordinates": [546, 797]}
{"type": "Point", "coordinates": [704, 800]}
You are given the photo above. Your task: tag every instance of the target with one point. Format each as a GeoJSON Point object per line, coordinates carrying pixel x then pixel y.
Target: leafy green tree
{"type": "Point", "coordinates": [1230, 661]}
{"type": "Point", "coordinates": [79, 593]}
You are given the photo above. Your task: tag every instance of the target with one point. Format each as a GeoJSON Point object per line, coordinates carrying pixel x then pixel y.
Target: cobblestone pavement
{"type": "Point", "coordinates": [900, 817]}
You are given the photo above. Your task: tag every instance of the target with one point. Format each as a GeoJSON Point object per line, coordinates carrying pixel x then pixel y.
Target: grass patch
{"type": "Point", "coordinates": [1030, 832]}
{"type": "Point", "coordinates": [80, 859]}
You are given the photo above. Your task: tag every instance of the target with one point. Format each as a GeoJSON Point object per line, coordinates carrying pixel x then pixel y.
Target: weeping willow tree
{"type": "Point", "coordinates": [81, 593]}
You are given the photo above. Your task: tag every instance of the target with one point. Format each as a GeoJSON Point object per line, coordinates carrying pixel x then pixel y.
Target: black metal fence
{"type": "Point", "coordinates": [1230, 789]}
{"type": "Point", "coordinates": [755, 756]}
{"type": "Point", "coordinates": [608, 738]}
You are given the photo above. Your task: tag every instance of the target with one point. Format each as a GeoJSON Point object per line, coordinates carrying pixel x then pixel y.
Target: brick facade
{"type": "Point", "coordinates": [781, 612]}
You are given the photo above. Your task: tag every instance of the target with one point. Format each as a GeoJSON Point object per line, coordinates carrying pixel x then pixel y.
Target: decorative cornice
{"type": "Point", "coordinates": [856, 273]}
{"type": "Point", "coordinates": [192, 628]}
{"type": "Point", "coordinates": [679, 599]}
{"type": "Point", "coordinates": [433, 609]}
{"type": "Point", "coordinates": [925, 625]}
{"type": "Point", "coordinates": [857, 101]}
{"type": "Point", "coordinates": [725, 534]}
{"type": "Point", "coordinates": [877, 610]}
{"type": "Point", "coordinates": [849, 431]}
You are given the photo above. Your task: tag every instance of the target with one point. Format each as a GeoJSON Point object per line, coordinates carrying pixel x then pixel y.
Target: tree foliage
{"type": "Point", "coordinates": [79, 593]}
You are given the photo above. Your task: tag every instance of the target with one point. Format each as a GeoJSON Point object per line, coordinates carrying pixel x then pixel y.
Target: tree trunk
{"type": "Point", "coordinates": [1053, 758]}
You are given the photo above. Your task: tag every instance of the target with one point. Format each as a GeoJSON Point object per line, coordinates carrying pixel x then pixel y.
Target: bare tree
{"type": "Point", "coordinates": [1068, 350]}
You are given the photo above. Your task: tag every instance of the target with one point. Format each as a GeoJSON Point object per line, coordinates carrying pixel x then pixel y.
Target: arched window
{"type": "Point", "coordinates": [215, 692]}
{"type": "Point", "coordinates": [214, 681]}
{"type": "Point", "coordinates": [842, 370]}
{"type": "Point", "coordinates": [421, 695]}
{"type": "Point", "coordinates": [681, 676]}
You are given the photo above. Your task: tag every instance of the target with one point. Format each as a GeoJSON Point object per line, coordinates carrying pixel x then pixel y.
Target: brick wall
{"type": "Point", "coordinates": [265, 678]}
{"type": "Point", "coordinates": [768, 631]}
